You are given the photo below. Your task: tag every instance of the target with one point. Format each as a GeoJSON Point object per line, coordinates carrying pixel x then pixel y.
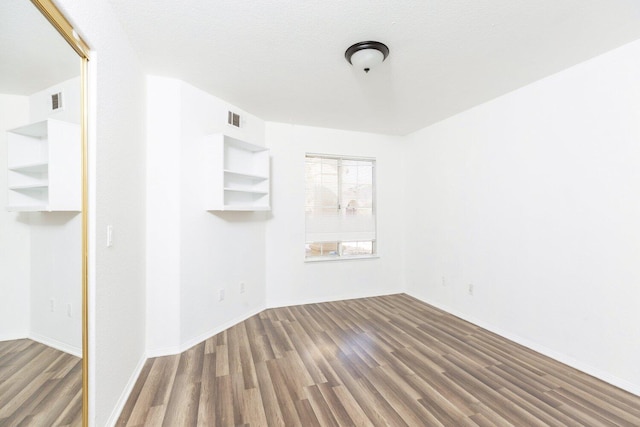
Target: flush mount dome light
{"type": "Point", "coordinates": [366, 55]}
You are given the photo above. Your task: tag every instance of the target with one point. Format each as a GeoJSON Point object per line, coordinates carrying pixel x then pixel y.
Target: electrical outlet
{"type": "Point", "coordinates": [242, 287]}
{"type": "Point", "coordinates": [470, 288]}
{"type": "Point", "coordinates": [69, 311]}
{"type": "Point", "coordinates": [221, 295]}
{"type": "Point", "coordinates": [444, 282]}
{"type": "Point", "coordinates": [52, 305]}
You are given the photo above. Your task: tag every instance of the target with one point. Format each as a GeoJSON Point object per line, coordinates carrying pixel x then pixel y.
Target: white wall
{"type": "Point", "coordinates": [56, 275]}
{"type": "Point", "coordinates": [42, 251]}
{"type": "Point", "coordinates": [291, 280]}
{"type": "Point", "coordinates": [533, 199]}
{"type": "Point", "coordinates": [163, 215]}
{"type": "Point", "coordinates": [117, 197]}
{"type": "Point", "coordinates": [192, 253]}
{"type": "Point", "coordinates": [40, 102]}
{"type": "Point", "coordinates": [56, 246]}
{"type": "Point", "coordinates": [14, 235]}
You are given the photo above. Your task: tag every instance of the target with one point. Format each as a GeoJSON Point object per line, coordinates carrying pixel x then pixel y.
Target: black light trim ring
{"type": "Point", "coordinates": [366, 45]}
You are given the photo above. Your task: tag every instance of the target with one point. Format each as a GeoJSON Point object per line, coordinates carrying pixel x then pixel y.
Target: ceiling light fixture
{"type": "Point", "coordinates": [366, 55]}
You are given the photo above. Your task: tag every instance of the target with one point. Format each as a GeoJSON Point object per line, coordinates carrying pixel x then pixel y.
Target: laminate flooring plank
{"type": "Point", "coordinates": [237, 385]}
{"type": "Point", "coordinates": [268, 396]}
{"type": "Point", "coordinates": [136, 400]}
{"type": "Point", "coordinates": [618, 418]}
{"type": "Point", "coordinates": [222, 360]}
{"type": "Point", "coordinates": [253, 412]}
{"type": "Point", "coordinates": [337, 405]}
{"type": "Point", "coordinates": [29, 396]}
{"type": "Point", "coordinates": [351, 407]}
{"type": "Point", "coordinates": [155, 416]}
{"type": "Point", "coordinates": [515, 380]}
{"type": "Point", "coordinates": [246, 358]}
{"type": "Point", "coordinates": [572, 380]}
{"type": "Point", "coordinates": [399, 394]}
{"type": "Point", "coordinates": [545, 413]}
{"type": "Point", "coordinates": [578, 413]}
{"type": "Point", "coordinates": [506, 409]}
{"type": "Point", "coordinates": [39, 385]}
{"type": "Point", "coordinates": [208, 396]}
{"type": "Point", "coordinates": [182, 408]}
{"type": "Point", "coordinates": [168, 367]}
{"type": "Point", "coordinates": [23, 377]}
{"type": "Point", "coordinates": [283, 394]}
{"type": "Point", "coordinates": [360, 397]}
{"type": "Point", "coordinates": [26, 405]}
{"type": "Point", "coordinates": [305, 349]}
{"type": "Point", "coordinates": [320, 407]}
{"type": "Point", "coordinates": [72, 414]}
{"type": "Point", "coordinates": [224, 402]}
{"type": "Point", "coordinates": [16, 356]}
{"type": "Point", "coordinates": [379, 361]}
{"type": "Point", "coordinates": [55, 403]}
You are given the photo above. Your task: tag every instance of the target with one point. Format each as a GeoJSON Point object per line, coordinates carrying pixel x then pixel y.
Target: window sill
{"type": "Point", "coordinates": [340, 258]}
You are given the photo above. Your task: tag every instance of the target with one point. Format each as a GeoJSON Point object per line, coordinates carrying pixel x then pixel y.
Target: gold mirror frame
{"type": "Point", "coordinates": [57, 19]}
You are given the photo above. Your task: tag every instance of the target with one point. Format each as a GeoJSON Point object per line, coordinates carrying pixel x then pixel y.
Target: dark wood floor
{"type": "Point", "coordinates": [379, 361]}
{"type": "Point", "coordinates": [39, 385]}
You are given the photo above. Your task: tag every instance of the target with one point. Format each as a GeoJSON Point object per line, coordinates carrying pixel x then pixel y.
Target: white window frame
{"type": "Point", "coordinates": [341, 205]}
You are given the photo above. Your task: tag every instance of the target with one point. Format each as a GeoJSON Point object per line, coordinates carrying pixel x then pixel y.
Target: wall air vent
{"type": "Point", "coordinates": [56, 101]}
{"type": "Point", "coordinates": [233, 119]}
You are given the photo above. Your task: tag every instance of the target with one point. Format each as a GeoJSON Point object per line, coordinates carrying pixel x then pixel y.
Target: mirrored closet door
{"type": "Point", "coordinates": [42, 217]}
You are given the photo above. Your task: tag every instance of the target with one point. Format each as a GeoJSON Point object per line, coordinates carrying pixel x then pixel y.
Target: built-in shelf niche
{"type": "Point", "coordinates": [236, 175]}
{"type": "Point", "coordinates": [44, 167]}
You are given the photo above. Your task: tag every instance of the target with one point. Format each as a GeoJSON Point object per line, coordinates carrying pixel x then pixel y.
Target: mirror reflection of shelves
{"type": "Point", "coordinates": [236, 175]}
{"type": "Point", "coordinates": [44, 167]}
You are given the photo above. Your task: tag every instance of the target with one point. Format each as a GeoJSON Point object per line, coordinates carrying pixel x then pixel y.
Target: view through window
{"type": "Point", "coordinates": [339, 207]}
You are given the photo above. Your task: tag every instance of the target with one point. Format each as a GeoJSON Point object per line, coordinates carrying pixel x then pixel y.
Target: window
{"type": "Point", "coordinates": [339, 207]}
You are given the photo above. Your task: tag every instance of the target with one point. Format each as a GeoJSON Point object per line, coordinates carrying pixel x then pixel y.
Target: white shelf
{"type": "Point", "coordinates": [33, 130]}
{"type": "Point", "coordinates": [27, 208]}
{"type": "Point", "coordinates": [45, 167]}
{"type": "Point", "coordinates": [37, 167]}
{"type": "Point", "coordinates": [34, 186]}
{"type": "Point", "coordinates": [244, 208]}
{"type": "Point", "coordinates": [246, 175]}
{"type": "Point", "coordinates": [242, 190]}
{"type": "Point", "coordinates": [236, 175]}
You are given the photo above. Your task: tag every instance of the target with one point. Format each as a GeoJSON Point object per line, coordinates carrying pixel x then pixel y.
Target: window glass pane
{"type": "Point", "coordinates": [357, 248]}
{"type": "Point", "coordinates": [321, 249]}
{"type": "Point", "coordinates": [357, 185]}
{"type": "Point", "coordinates": [339, 207]}
{"type": "Point", "coordinates": [321, 177]}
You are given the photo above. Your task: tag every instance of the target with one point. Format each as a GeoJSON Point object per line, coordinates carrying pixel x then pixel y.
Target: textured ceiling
{"type": "Point", "coordinates": [33, 56]}
{"type": "Point", "coordinates": [282, 60]}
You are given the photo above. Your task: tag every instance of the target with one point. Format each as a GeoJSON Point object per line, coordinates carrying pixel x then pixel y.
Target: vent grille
{"type": "Point", "coordinates": [233, 119]}
{"type": "Point", "coordinates": [56, 101]}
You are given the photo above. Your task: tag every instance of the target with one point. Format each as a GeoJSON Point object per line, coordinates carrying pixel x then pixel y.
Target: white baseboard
{"type": "Point", "coordinates": [58, 345]}
{"type": "Point", "coordinates": [124, 396]}
{"type": "Point", "coordinates": [168, 351]}
{"type": "Point", "coordinates": [13, 337]}
{"type": "Point", "coordinates": [279, 304]}
{"type": "Point", "coordinates": [560, 357]}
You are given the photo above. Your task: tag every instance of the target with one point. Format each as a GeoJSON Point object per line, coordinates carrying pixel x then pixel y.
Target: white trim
{"type": "Point", "coordinates": [335, 298]}
{"type": "Point", "coordinates": [184, 346]}
{"type": "Point", "coordinates": [124, 396]}
{"type": "Point", "coordinates": [340, 156]}
{"type": "Point", "coordinates": [340, 258]}
{"type": "Point", "coordinates": [58, 345]}
{"type": "Point", "coordinates": [558, 356]}
{"type": "Point", "coordinates": [92, 108]}
{"type": "Point", "coordinates": [11, 337]}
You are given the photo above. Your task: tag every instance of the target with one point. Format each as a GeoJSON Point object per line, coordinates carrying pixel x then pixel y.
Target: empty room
{"type": "Point", "coordinates": [419, 213]}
